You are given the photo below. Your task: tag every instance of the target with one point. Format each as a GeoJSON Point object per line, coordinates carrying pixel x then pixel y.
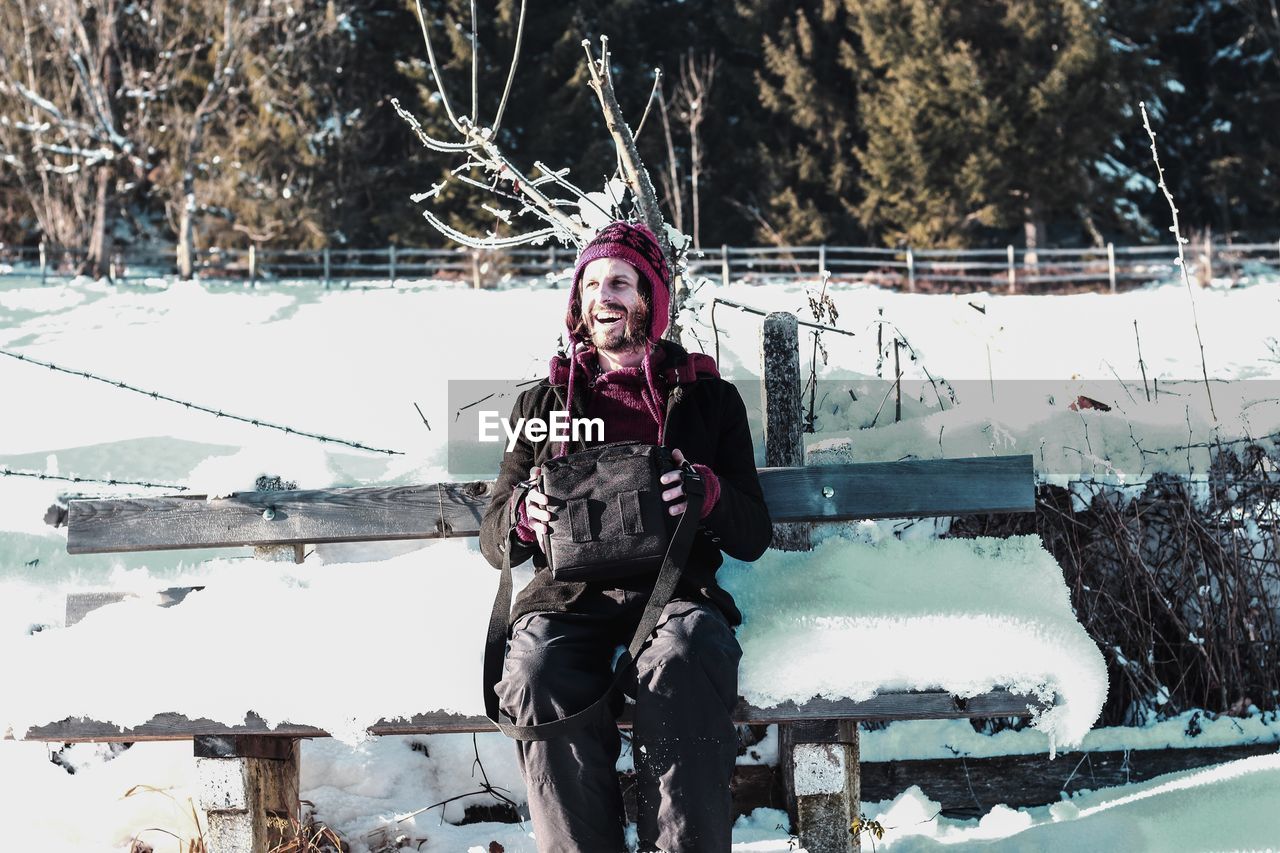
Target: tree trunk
{"type": "Point", "coordinates": [186, 228]}
{"type": "Point", "coordinates": [696, 168]}
{"type": "Point", "coordinates": [1033, 231]}
{"type": "Point", "coordinates": [99, 256]}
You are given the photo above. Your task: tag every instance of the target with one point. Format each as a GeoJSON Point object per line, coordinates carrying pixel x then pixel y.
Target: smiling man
{"type": "Point", "coordinates": [563, 635]}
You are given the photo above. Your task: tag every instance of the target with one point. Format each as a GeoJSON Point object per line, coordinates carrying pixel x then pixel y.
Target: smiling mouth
{"type": "Point", "coordinates": [608, 318]}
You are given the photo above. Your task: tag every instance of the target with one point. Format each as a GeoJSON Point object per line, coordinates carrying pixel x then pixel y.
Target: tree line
{"type": "Point", "coordinates": [948, 123]}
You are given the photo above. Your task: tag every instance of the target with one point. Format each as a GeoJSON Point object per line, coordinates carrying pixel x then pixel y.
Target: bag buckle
{"type": "Point", "coordinates": [693, 483]}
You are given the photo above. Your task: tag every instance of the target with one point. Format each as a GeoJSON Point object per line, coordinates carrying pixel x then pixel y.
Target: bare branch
{"type": "Point", "coordinates": [573, 230]}
{"type": "Point", "coordinates": [435, 70]}
{"type": "Point", "coordinates": [676, 192]}
{"type": "Point", "coordinates": [511, 75]}
{"type": "Point", "coordinates": [637, 177]}
{"type": "Point", "coordinates": [475, 69]}
{"type": "Point", "coordinates": [559, 179]}
{"type": "Point", "coordinates": [429, 142]}
{"type": "Point", "coordinates": [1182, 261]}
{"type": "Point", "coordinates": [486, 242]}
{"type": "Point", "coordinates": [657, 81]}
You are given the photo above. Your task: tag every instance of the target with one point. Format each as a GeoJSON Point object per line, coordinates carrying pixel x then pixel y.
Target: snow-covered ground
{"type": "Point", "coordinates": [366, 622]}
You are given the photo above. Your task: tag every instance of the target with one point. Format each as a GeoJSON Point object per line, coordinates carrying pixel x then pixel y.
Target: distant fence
{"type": "Point", "coordinates": [1010, 269]}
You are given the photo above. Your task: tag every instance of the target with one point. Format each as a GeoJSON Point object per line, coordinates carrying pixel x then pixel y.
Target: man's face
{"type": "Point", "coordinates": [612, 307]}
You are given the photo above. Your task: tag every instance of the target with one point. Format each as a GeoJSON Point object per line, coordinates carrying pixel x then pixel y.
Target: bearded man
{"type": "Point", "coordinates": [563, 634]}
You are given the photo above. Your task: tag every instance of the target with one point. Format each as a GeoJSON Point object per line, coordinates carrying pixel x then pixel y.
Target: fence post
{"type": "Point", "coordinates": [819, 763]}
{"type": "Point", "coordinates": [911, 271]}
{"type": "Point", "coordinates": [1013, 274]}
{"type": "Point", "coordinates": [1111, 265]}
{"type": "Point", "coordinates": [391, 263]}
{"type": "Point", "coordinates": [247, 786]}
{"type": "Point", "coordinates": [724, 264]}
{"type": "Point", "coordinates": [326, 267]}
{"type": "Point", "coordinates": [783, 411]}
{"type": "Point", "coordinates": [475, 268]}
{"type": "Point", "coordinates": [822, 259]}
{"type": "Point", "coordinates": [821, 757]}
{"type": "Point", "coordinates": [1206, 277]}
{"type": "Point", "coordinates": [253, 264]}
{"type": "Point", "coordinates": [44, 263]}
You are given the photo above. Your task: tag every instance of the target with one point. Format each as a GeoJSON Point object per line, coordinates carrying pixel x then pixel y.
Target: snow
{"type": "Point", "coordinates": [962, 615]}
{"type": "Point", "coordinates": [361, 631]}
{"type": "Point", "coordinates": [1227, 807]}
{"type": "Point", "coordinates": [851, 619]}
{"type": "Point", "coordinates": [906, 740]}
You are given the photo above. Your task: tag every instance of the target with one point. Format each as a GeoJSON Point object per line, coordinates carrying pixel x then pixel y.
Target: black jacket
{"type": "Point", "coordinates": [705, 419]}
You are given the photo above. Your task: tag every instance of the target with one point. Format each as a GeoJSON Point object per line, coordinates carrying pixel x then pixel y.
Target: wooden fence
{"type": "Point", "coordinates": [1009, 269]}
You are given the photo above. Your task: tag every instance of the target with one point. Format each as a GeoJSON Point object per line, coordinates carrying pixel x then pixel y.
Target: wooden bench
{"type": "Point", "coordinates": [249, 774]}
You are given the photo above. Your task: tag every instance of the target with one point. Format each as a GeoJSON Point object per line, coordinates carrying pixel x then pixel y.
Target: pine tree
{"type": "Point", "coordinates": [309, 150]}
{"type": "Point", "coordinates": [981, 114]}
{"type": "Point", "coordinates": [807, 85]}
{"type": "Point", "coordinates": [1218, 82]}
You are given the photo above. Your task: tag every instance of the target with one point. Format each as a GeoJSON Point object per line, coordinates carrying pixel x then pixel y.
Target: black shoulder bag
{"type": "Point", "coordinates": [612, 524]}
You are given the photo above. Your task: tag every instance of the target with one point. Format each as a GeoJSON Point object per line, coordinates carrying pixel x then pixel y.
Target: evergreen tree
{"type": "Point", "coordinates": [807, 85]}
{"type": "Point", "coordinates": [1219, 78]}
{"type": "Point", "coordinates": [311, 153]}
{"type": "Point", "coordinates": [990, 113]}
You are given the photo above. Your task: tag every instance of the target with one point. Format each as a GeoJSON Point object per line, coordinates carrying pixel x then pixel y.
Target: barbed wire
{"type": "Point", "coordinates": [155, 395]}
{"type": "Point", "coordinates": [37, 475]}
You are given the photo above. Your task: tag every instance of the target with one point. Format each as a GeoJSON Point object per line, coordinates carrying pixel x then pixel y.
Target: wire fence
{"type": "Point", "coordinates": [1011, 269]}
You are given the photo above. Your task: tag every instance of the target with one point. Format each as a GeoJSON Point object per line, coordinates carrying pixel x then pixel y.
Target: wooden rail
{"type": "Point", "coordinates": [1007, 268]}
{"type": "Point", "coordinates": [922, 705]}
{"type": "Point", "coordinates": [911, 488]}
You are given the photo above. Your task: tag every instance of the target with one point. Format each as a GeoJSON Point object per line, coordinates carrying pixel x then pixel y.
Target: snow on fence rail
{"type": "Point", "coordinates": [1010, 268]}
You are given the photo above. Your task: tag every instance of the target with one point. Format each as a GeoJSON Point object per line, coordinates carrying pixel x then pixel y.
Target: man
{"type": "Point", "coordinates": [564, 634]}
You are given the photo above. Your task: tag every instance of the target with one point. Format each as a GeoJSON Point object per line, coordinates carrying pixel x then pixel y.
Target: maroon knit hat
{"type": "Point", "coordinates": [635, 244]}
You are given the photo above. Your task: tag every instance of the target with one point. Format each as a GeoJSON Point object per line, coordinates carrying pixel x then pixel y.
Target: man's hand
{"type": "Point", "coordinates": [539, 511]}
{"type": "Point", "coordinates": [675, 495]}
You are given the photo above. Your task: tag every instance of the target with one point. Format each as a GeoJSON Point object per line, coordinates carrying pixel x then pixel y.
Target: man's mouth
{"type": "Point", "coordinates": [608, 318]}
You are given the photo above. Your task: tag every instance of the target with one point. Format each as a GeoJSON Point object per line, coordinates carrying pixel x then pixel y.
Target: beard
{"type": "Point", "coordinates": [630, 334]}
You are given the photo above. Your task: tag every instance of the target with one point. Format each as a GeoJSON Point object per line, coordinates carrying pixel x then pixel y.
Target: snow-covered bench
{"type": "Point", "coordinates": [818, 659]}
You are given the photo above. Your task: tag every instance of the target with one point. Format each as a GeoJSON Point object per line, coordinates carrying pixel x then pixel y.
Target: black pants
{"type": "Point", "coordinates": [684, 740]}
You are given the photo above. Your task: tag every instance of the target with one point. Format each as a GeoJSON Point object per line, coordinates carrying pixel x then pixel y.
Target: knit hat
{"type": "Point", "coordinates": [635, 244]}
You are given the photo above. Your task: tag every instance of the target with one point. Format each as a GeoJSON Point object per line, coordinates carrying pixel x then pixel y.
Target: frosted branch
{"type": "Point", "coordinates": [486, 242]}
{"type": "Point", "coordinates": [1182, 260]}
{"type": "Point", "coordinates": [428, 141]}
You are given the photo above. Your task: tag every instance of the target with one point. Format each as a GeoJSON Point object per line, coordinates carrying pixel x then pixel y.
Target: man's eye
{"type": "Point", "coordinates": [589, 285]}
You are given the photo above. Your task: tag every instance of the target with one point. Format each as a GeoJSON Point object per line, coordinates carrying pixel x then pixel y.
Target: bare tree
{"type": "Point", "coordinates": [540, 208]}
{"type": "Point", "coordinates": [58, 74]}
{"type": "Point", "coordinates": [697, 76]}
{"type": "Point", "coordinates": [671, 185]}
{"type": "Point", "coordinates": [98, 100]}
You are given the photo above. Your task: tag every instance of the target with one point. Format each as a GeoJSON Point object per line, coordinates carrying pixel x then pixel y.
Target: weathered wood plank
{"type": "Point", "coordinates": [970, 787]}
{"type": "Point", "coordinates": [906, 489]}
{"type": "Point", "coordinates": [862, 490]}
{"type": "Point", "coordinates": [277, 518]}
{"type": "Point", "coordinates": [888, 706]}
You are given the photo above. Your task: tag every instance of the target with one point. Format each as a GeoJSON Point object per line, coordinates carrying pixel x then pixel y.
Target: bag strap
{"type": "Point", "coordinates": [664, 588]}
